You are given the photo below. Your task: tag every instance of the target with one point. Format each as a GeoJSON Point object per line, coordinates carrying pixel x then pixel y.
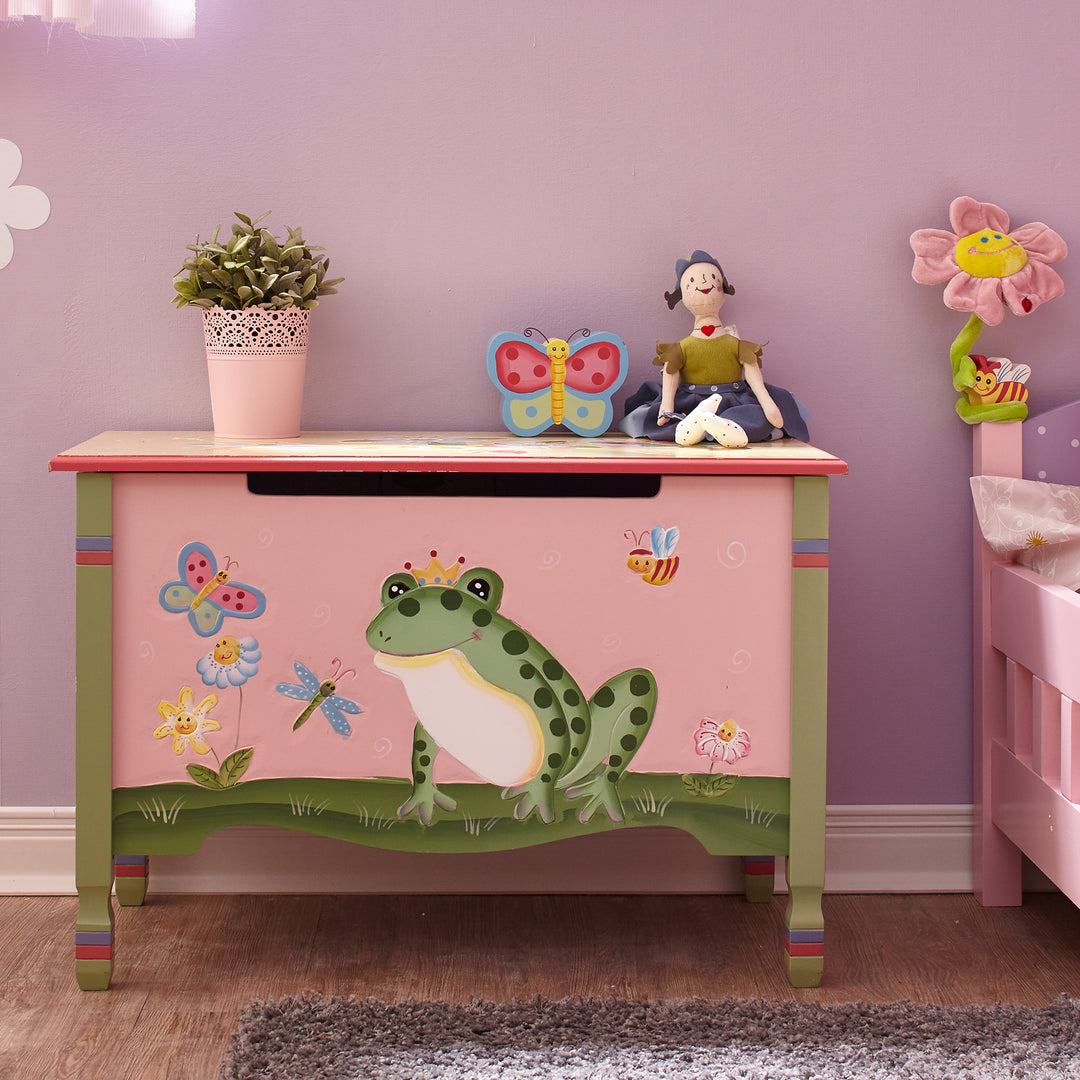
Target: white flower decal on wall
{"type": "Point", "coordinates": [21, 206]}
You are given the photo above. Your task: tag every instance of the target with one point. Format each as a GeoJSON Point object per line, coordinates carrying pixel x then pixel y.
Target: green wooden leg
{"type": "Point", "coordinates": [805, 943]}
{"type": "Point", "coordinates": [93, 731]}
{"type": "Point", "coordinates": [132, 877]}
{"type": "Point", "coordinates": [759, 874]}
{"type": "Point", "coordinates": [805, 947]}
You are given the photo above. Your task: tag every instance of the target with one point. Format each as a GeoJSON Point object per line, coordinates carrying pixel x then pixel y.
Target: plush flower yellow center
{"type": "Point", "coordinates": [990, 254]}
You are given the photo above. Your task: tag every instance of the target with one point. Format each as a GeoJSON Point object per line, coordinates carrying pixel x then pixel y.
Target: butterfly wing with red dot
{"type": "Point", "coordinates": [594, 371]}
{"type": "Point", "coordinates": [522, 374]}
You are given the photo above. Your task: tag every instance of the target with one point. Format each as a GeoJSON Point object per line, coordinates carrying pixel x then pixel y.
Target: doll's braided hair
{"type": "Point", "coordinates": [698, 256]}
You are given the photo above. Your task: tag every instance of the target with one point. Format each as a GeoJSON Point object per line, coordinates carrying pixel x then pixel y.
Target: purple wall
{"type": "Point", "coordinates": [480, 166]}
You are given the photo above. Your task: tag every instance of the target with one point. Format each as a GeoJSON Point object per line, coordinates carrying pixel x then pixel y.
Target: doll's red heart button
{"type": "Point", "coordinates": [708, 330]}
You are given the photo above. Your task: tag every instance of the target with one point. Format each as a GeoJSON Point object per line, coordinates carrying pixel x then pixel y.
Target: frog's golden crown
{"type": "Point", "coordinates": [435, 573]}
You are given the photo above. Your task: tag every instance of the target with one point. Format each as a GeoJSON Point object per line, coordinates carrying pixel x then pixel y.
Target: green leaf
{"type": "Point", "coordinates": [252, 267]}
{"type": "Point", "coordinates": [235, 765]}
{"type": "Point", "coordinates": [204, 776]}
{"type": "Point", "coordinates": [709, 786]}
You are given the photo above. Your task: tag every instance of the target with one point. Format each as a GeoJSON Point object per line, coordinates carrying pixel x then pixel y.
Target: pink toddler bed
{"type": "Point", "coordinates": [1027, 654]}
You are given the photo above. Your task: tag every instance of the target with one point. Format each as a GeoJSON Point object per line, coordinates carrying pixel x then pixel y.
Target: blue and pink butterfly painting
{"type": "Point", "coordinates": [206, 594]}
{"type": "Point", "coordinates": [561, 383]}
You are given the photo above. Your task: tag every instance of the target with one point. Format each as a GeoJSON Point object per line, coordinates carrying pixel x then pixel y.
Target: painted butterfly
{"type": "Point", "coordinates": [206, 594]}
{"type": "Point", "coordinates": [560, 384]}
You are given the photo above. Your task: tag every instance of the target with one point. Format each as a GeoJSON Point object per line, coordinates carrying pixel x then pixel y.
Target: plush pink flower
{"type": "Point", "coordinates": [988, 267]}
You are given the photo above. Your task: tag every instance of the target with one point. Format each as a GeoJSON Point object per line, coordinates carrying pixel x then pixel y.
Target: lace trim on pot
{"type": "Point", "coordinates": [255, 332]}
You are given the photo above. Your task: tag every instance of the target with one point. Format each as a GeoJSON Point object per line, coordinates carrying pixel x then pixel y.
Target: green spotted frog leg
{"type": "Point", "coordinates": [425, 795]}
{"type": "Point", "coordinates": [562, 712]}
{"type": "Point", "coordinates": [621, 712]}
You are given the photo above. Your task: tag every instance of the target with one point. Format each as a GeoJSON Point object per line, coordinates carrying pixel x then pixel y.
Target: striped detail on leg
{"type": "Point", "coordinates": [805, 942]}
{"type": "Point", "coordinates": [753, 865]}
{"type": "Point", "coordinates": [810, 553]}
{"type": "Point", "coordinates": [93, 551]}
{"type": "Point", "coordinates": [93, 944]}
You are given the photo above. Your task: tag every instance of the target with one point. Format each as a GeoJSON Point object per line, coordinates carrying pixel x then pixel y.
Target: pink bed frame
{"type": "Point", "coordinates": [1027, 683]}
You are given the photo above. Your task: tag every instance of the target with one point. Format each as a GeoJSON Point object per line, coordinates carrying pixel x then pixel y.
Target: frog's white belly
{"type": "Point", "coordinates": [493, 732]}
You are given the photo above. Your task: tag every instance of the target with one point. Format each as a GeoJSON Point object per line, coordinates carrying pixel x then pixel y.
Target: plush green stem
{"type": "Point", "coordinates": [964, 343]}
{"type": "Point", "coordinates": [963, 367]}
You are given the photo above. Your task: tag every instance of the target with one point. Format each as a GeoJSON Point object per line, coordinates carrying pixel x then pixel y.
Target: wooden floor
{"type": "Point", "coordinates": [186, 965]}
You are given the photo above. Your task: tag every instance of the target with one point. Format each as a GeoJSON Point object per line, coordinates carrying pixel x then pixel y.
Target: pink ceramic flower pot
{"type": "Point", "coordinates": [256, 361]}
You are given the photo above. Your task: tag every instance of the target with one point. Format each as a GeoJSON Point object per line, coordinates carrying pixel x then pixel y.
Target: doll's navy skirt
{"type": "Point", "coordinates": [738, 403]}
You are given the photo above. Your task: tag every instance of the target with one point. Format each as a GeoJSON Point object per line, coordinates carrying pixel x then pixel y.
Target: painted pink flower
{"type": "Point", "coordinates": [726, 742]}
{"type": "Point", "coordinates": [986, 266]}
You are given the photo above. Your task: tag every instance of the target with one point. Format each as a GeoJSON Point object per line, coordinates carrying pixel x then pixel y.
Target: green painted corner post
{"type": "Point", "coordinates": [93, 731]}
{"type": "Point", "coordinates": [805, 947]}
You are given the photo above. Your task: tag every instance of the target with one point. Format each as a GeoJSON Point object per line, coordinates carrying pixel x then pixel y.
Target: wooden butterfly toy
{"type": "Point", "coordinates": [559, 384]}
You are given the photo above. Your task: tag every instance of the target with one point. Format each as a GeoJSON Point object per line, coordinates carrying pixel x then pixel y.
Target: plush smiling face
{"type": "Point", "coordinates": [990, 254]}
{"type": "Point", "coordinates": [702, 287]}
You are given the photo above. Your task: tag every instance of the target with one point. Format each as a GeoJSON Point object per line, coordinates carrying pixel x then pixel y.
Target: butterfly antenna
{"type": "Point", "coordinates": [530, 329]}
{"type": "Point", "coordinates": [584, 332]}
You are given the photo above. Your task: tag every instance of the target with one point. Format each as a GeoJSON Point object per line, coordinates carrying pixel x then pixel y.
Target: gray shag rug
{"type": "Point", "coordinates": [316, 1038]}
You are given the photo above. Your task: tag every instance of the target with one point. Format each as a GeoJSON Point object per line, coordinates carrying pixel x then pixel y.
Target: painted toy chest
{"type": "Point", "coordinates": [448, 643]}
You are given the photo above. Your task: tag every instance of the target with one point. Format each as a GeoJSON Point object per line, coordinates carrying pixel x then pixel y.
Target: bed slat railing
{"type": "Point", "coordinates": [1018, 708]}
{"type": "Point", "coordinates": [1037, 624]}
{"type": "Point", "coordinates": [1042, 729]}
{"type": "Point", "coordinates": [1033, 621]}
{"type": "Point", "coordinates": [1070, 749]}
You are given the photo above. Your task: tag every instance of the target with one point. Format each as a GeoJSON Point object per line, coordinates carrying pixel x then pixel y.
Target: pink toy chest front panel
{"type": "Point", "coordinates": [714, 630]}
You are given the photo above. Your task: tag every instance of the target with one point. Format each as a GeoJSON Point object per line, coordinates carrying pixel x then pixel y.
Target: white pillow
{"type": "Point", "coordinates": [1035, 524]}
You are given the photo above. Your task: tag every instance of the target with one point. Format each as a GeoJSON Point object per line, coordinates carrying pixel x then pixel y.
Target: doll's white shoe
{"type": "Point", "coordinates": [703, 421]}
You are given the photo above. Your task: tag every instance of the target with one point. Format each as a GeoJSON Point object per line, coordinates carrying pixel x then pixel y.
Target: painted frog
{"type": "Point", "coordinates": [492, 696]}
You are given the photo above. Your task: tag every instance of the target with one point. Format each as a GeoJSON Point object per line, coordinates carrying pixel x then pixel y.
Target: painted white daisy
{"type": "Point", "coordinates": [21, 206]}
{"type": "Point", "coordinates": [231, 663]}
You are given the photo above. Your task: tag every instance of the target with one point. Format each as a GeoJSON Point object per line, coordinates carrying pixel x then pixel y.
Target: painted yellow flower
{"type": "Point", "coordinates": [1035, 539]}
{"type": "Point", "coordinates": [186, 722]}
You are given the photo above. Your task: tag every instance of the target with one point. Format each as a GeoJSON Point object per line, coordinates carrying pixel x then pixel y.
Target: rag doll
{"type": "Point", "coordinates": [712, 387]}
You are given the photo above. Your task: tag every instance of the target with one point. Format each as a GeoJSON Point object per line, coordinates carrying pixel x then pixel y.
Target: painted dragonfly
{"type": "Point", "coordinates": [321, 695]}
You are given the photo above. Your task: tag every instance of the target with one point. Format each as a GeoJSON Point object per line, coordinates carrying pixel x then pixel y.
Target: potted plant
{"type": "Point", "coordinates": [256, 293]}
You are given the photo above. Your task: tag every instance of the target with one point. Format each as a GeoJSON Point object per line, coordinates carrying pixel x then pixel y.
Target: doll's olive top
{"type": "Point", "coordinates": [707, 360]}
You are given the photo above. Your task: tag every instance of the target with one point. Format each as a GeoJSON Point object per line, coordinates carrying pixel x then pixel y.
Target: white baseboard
{"type": "Point", "coordinates": [895, 849]}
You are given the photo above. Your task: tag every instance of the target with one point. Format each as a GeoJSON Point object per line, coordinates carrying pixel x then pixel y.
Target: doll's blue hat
{"type": "Point", "coordinates": [699, 256]}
